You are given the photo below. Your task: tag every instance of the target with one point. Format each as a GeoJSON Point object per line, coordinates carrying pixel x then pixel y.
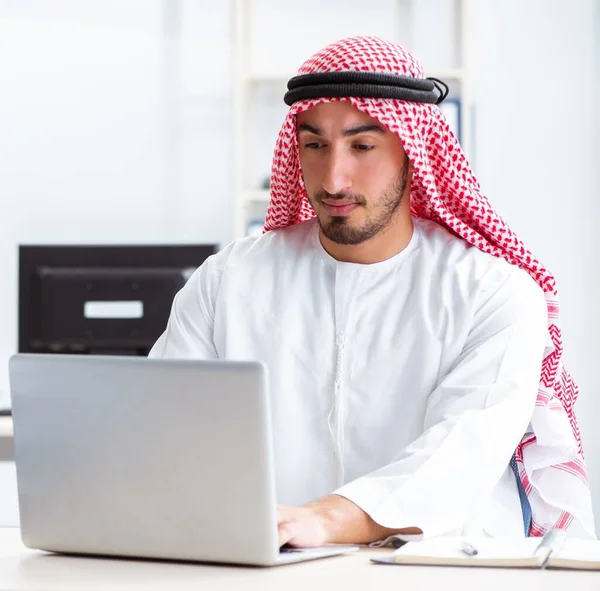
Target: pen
{"type": "Point", "coordinates": [552, 542]}
{"type": "Point", "coordinates": [468, 548]}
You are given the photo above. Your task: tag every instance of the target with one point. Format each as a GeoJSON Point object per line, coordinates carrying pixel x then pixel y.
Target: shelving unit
{"type": "Point", "coordinates": [250, 199]}
{"type": "Point", "coordinates": [6, 439]}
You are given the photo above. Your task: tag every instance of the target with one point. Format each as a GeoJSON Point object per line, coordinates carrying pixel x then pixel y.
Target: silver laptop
{"type": "Point", "coordinates": [138, 457]}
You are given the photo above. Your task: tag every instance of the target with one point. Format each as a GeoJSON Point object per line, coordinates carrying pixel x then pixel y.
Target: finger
{"type": "Point", "coordinates": [284, 513]}
{"type": "Point", "coordinates": [286, 533]}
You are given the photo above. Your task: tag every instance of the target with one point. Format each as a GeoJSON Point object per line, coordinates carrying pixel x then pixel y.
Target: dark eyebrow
{"type": "Point", "coordinates": [362, 129]}
{"type": "Point", "coordinates": [347, 132]}
{"type": "Point", "coordinates": [309, 128]}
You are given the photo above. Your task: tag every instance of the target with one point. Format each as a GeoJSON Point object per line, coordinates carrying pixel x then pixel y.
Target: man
{"type": "Point", "coordinates": [404, 325]}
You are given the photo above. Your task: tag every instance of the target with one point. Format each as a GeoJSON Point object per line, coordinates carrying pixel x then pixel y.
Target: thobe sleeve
{"type": "Point", "coordinates": [475, 418]}
{"type": "Point", "coordinates": [189, 331]}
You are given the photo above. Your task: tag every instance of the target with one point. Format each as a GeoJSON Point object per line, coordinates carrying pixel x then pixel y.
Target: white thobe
{"type": "Point", "coordinates": [404, 386]}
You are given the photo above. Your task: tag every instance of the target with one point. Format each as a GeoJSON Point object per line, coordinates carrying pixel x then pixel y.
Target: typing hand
{"type": "Point", "coordinates": [331, 520]}
{"type": "Point", "coordinates": [302, 527]}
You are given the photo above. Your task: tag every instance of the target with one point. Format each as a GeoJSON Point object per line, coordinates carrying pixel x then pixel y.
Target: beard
{"type": "Point", "coordinates": [340, 230]}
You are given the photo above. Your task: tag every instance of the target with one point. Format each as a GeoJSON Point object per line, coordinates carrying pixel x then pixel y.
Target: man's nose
{"type": "Point", "coordinates": [337, 178]}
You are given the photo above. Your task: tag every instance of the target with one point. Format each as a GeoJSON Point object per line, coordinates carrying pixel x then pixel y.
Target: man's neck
{"type": "Point", "coordinates": [381, 247]}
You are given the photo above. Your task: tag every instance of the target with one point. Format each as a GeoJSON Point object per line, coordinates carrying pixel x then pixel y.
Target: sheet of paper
{"type": "Point", "coordinates": [486, 547]}
{"type": "Point", "coordinates": [576, 549]}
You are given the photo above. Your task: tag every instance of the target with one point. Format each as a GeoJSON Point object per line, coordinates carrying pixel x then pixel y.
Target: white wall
{"type": "Point", "coordinates": [537, 161]}
{"type": "Point", "coordinates": [590, 409]}
{"type": "Point", "coordinates": [113, 130]}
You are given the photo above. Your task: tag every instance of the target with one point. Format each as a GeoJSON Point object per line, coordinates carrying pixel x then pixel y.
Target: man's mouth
{"type": "Point", "coordinates": [337, 209]}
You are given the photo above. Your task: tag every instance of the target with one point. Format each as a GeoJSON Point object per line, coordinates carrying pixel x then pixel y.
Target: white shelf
{"type": "Point", "coordinates": [258, 77]}
{"type": "Point", "coordinates": [257, 196]}
{"type": "Point", "coordinates": [6, 427]}
{"type": "Point", "coordinates": [456, 74]}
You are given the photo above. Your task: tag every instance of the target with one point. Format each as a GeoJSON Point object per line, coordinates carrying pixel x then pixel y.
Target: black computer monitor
{"type": "Point", "coordinates": [105, 300]}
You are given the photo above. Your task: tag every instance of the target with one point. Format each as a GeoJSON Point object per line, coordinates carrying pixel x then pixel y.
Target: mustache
{"type": "Point", "coordinates": [354, 198]}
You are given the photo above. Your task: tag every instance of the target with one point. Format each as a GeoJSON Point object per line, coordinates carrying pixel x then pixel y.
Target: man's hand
{"type": "Point", "coordinates": [302, 527]}
{"type": "Point", "coordinates": [331, 520]}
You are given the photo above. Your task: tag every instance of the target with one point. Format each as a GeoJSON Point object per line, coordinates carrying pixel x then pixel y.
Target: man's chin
{"type": "Point", "coordinates": [343, 234]}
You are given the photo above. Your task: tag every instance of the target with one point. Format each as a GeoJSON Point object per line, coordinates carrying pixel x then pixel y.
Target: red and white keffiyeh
{"type": "Point", "coordinates": [444, 190]}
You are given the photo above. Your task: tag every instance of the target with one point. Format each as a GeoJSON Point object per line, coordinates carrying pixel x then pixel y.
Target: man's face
{"type": "Point", "coordinates": [355, 171]}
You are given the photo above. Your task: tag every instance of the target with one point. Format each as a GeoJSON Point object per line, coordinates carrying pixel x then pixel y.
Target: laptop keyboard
{"type": "Point", "coordinates": [289, 550]}
{"type": "Point", "coordinates": [292, 550]}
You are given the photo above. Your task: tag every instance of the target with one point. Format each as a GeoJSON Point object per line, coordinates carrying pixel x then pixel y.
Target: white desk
{"type": "Point", "coordinates": [6, 439]}
{"type": "Point", "coordinates": [23, 569]}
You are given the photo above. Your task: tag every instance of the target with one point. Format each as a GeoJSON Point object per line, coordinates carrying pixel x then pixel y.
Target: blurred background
{"type": "Point", "coordinates": [152, 122]}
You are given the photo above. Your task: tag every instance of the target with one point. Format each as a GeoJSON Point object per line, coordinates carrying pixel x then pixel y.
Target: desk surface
{"type": "Point", "coordinates": [22, 569]}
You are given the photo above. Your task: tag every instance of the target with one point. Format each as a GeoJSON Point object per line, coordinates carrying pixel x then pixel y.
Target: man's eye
{"type": "Point", "coordinates": [313, 145]}
{"type": "Point", "coordinates": [363, 147]}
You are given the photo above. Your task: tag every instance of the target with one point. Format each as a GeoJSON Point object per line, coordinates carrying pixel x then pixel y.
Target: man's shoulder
{"type": "Point", "coordinates": [272, 246]}
{"type": "Point", "coordinates": [474, 271]}
{"type": "Point", "coordinates": [450, 249]}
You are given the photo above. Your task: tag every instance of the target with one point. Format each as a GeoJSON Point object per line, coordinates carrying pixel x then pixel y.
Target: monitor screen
{"type": "Point", "coordinates": [112, 300]}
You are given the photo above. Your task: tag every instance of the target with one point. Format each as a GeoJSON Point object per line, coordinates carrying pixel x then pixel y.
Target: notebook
{"type": "Point", "coordinates": [554, 550]}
